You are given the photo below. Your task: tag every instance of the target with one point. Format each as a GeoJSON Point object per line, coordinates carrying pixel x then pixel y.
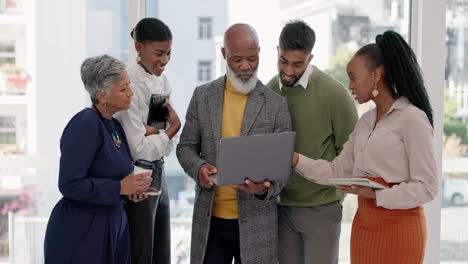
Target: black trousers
{"type": "Point", "coordinates": [223, 242]}
{"type": "Point", "coordinates": [149, 224]}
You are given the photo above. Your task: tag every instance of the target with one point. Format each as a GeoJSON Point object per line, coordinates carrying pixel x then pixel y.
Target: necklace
{"type": "Point", "coordinates": [115, 134]}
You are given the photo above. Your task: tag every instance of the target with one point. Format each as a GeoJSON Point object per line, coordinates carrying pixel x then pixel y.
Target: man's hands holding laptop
{"type": "Point", "coordinates": [204, 177]}
{"type": "Point", "coordinates": [253, 188]}
{"type": "Point", "coordinates": [207, 173]}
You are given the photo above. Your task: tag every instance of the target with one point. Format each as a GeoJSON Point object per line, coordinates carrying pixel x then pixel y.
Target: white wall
{"type": "Point", "coordinates": [61, 47]}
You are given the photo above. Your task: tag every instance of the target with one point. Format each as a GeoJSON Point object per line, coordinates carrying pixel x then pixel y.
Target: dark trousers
{"type": "Point", "coordinates": [223, 242]}
{"type": "Point", "coordinates": [149, 224]}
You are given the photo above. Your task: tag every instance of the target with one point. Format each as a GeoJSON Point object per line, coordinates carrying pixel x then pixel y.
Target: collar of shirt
{"type": "Point", "coordinates": [142, 75]}
{"type": "Point", "coordinates": [145, 82]}
{"type": "Point", "coordinates": [304, 80]}
{"type": "Point", "coordinates": [399, 104]}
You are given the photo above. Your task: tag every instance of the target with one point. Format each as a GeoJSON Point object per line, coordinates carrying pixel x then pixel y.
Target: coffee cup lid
{"type": "Point", "coordinates": [145, 164]}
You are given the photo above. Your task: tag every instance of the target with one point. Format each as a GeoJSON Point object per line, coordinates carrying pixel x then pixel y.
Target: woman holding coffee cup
{"type": "Point", "coordinates": [149, 220]}
{"type": "Point", "coordinates": [89, 224]}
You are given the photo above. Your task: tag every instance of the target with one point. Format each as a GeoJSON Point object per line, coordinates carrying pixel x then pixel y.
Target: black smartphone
{"type": "Point", "coordinates": [158, 112]}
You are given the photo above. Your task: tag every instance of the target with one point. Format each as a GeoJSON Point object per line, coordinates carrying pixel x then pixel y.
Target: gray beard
{"type": "Point", "coordinates": [244, 87]}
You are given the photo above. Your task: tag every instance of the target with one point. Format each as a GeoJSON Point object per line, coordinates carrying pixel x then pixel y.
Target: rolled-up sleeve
{"type": "Point", "coordinates": [152, 147]}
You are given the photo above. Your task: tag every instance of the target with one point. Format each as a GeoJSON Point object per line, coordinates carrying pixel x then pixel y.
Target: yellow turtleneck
{"type": "Point", "coordinates": [225, 205]}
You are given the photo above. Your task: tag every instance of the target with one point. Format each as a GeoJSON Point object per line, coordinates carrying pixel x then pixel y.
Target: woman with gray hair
{"type": "Point", "coordinates": [89, 225]}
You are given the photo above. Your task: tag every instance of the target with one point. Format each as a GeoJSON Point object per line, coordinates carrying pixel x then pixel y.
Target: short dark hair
{"type": "Point", "coordinates": [297, 35]}
{"type": "Point", "coordinates": [151, 29]}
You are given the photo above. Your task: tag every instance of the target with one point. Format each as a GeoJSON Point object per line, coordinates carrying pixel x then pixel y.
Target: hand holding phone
{"type": "Point", "coordinates": [158, 111]}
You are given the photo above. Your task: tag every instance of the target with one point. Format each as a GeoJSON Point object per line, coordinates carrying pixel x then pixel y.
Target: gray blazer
{"type": "Point", "coordinates": [265, 112]}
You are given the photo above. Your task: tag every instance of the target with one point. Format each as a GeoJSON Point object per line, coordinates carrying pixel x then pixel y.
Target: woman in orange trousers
{"type": "Point", "coordinates": [392, 145]}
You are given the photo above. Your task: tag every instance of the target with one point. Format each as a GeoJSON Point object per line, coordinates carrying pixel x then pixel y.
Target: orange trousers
{"type": "Point", "coordinates": [384, 236]}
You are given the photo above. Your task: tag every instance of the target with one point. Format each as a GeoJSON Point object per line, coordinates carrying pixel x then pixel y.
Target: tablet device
{"type": "Point", "coordinates": [258, 158]}
{"type": "Point", "coordinates": [356, 181]}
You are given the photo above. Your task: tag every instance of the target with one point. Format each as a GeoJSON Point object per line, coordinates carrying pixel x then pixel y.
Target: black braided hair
{"type": "Point", "coordinates": [402, 72]}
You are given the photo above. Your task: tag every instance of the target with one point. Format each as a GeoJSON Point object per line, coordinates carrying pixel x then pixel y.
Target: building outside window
{"type": "Point", "coordinates": [204, 71]}
{"type": "Point", "coordinates": [205, 27]}
{"type": "Point", "coordinates": [7, 130]}
{"type": "Point", "coordinates": [7, 52]}
{"type": "Point", "coordinates": [40, 91]}
{"type": "Point", "coordinates": [454, 212]}
{"type": "Point", "coordinates": [11, 6]}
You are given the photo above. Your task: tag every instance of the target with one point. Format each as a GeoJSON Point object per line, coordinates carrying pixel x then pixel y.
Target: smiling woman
{"type": "Point", "coordinates": [149, 220]}
{"type": "Point", "coordinates": [153, 42]}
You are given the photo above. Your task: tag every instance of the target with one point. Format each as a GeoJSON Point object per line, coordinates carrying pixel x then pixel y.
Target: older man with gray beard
{"type": "Point", "coordinates": [232, 222]}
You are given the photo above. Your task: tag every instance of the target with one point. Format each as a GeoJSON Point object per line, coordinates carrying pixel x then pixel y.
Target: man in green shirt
{"type": "Point", "coordinates": [323, 114]}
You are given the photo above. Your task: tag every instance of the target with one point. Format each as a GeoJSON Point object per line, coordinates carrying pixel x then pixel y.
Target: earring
{"type": "Point", "coordinates": [105, 107]}
{"type": "Point", "coordinates": [375, 92]}
{"type": "Point", "coordinates": [138, 58]}
{"type": "Point", "coordinates": [395, 91]}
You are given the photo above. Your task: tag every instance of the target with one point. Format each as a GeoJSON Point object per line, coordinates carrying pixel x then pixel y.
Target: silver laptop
{"type": "Point", "coordinates": [258, 158]}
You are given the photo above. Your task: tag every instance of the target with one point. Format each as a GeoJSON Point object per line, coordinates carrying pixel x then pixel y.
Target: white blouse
{"type": "Point", "coordinates": [399, 150]}
{"type": "Point", "coordinates": [152, 147]}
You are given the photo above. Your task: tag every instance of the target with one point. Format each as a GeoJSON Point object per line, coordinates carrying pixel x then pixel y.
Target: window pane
{"type": "Point", "coordinates": [112, 35]}
{"type": "Point", "coordinates": [11, 7]}
{"type": "Point", "coordinates": [204, 71]}
{"type": "Point", "coordinates": [15, 78]}
{"type": "Point", "coordinates": [204, 27]}
{"type": "Point", "coordinates": [7, 122]}
{"type": "Point", "coordinates": [40, 91]}
{"type": "Point", "coordinates": [454, 231]}
{"type": "Point", "coordinates": [7, 46]}
{"type": "Point", "coordinates": [13, 129]}
{"type": "Point", "coordinates": [19, 201]}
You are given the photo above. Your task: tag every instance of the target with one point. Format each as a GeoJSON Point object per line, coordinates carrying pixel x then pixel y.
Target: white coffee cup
{"type": "Point", "coordinates": [141, 166]}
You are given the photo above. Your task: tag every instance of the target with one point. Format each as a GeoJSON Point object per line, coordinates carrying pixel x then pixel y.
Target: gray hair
{"type": "Point", "coordinates": [100, 74]}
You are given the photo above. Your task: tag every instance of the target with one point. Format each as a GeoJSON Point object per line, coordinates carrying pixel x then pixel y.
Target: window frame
{"type": "Point", "coordinates": [204, 70]}
{"type": "Point", "coordinates": [428, 26]}
{"type": "Point", "coordinates": [205, 27]}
